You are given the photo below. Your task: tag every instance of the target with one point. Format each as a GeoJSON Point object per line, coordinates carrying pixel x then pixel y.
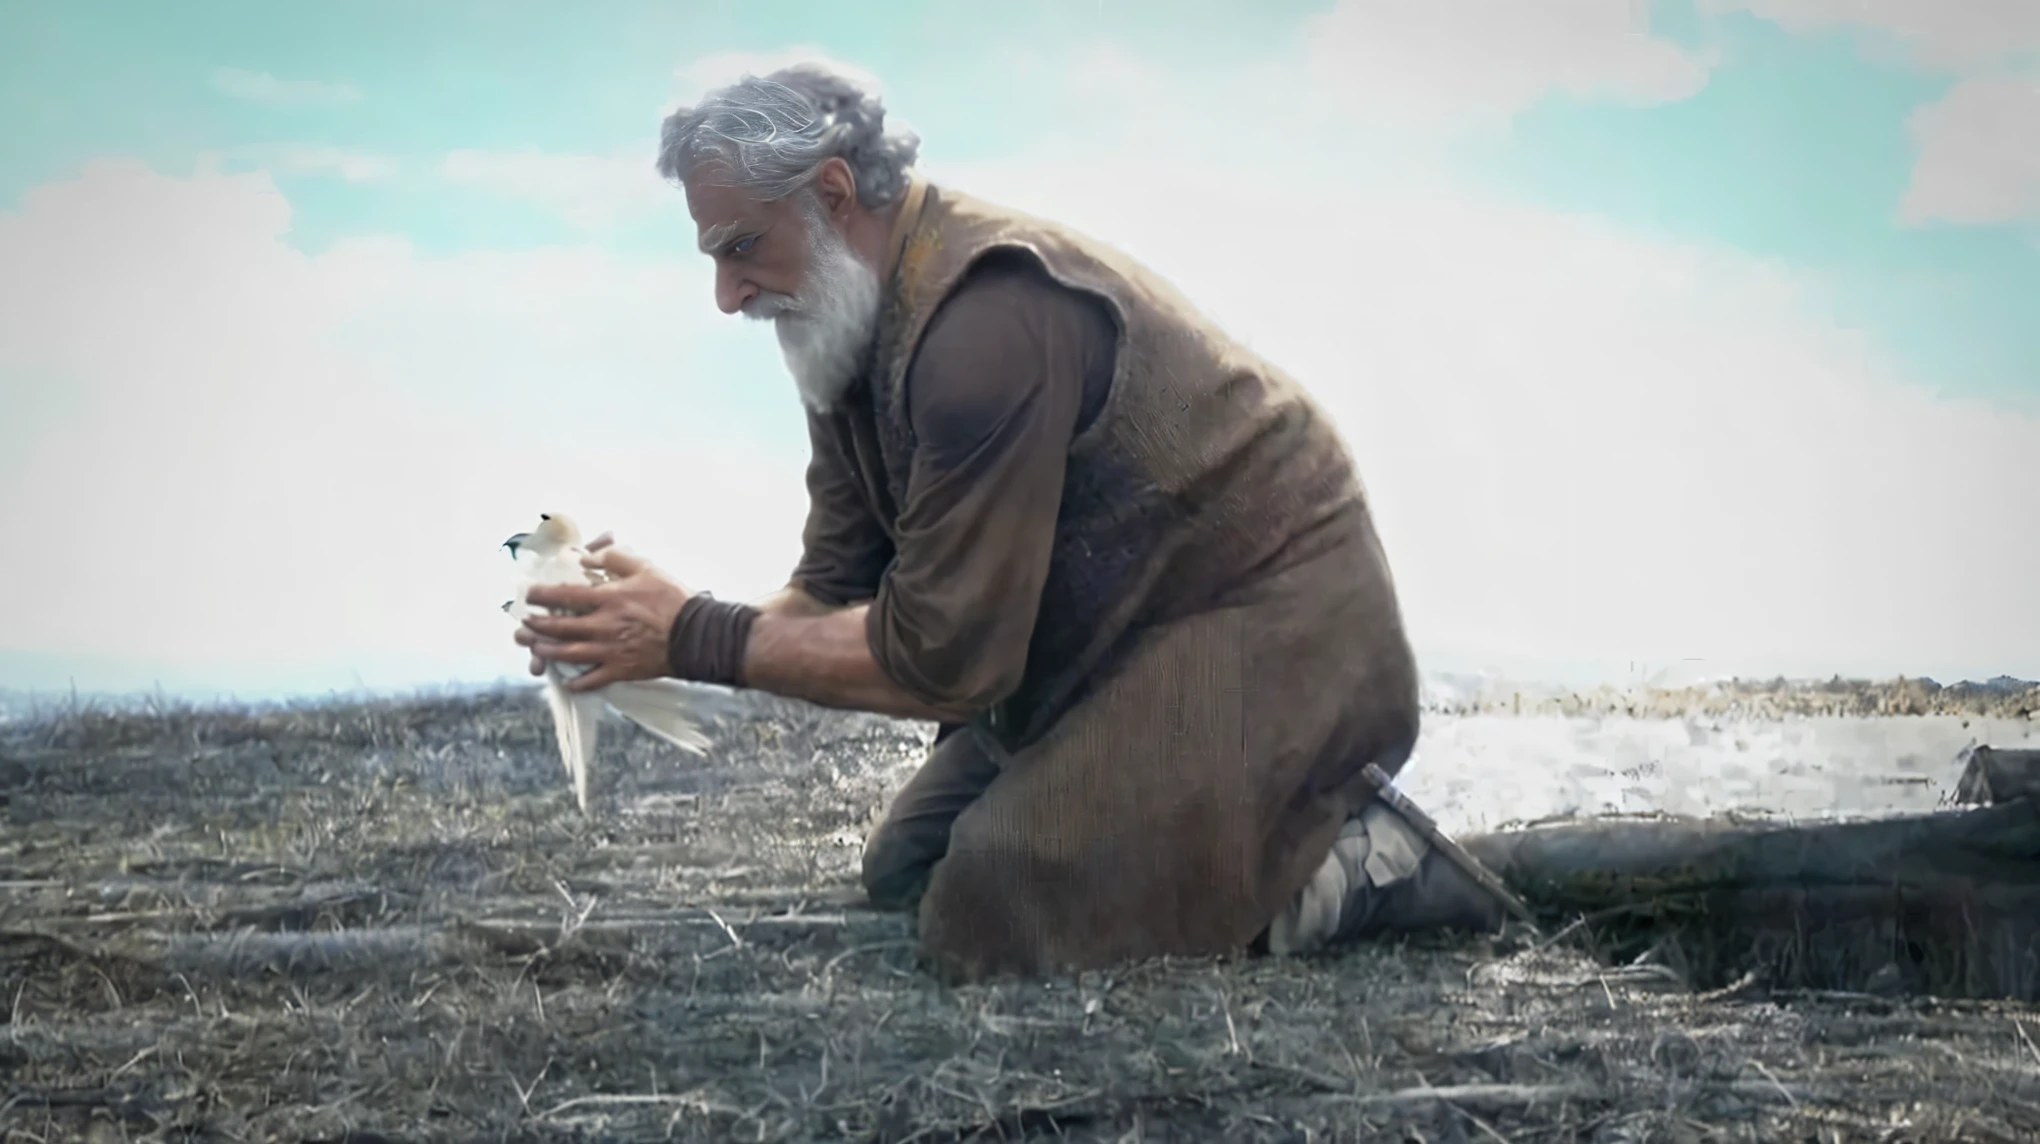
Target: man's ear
{"type": "Point", "coordinates": [837, 187]}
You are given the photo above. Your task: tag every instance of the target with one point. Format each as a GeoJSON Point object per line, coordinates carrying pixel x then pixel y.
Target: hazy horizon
{"type": "Point", "coordinates": [1441, 686]}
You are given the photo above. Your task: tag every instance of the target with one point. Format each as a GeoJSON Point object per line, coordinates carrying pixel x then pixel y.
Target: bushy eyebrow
{"type": "Point", "coordinates": [720, 235]}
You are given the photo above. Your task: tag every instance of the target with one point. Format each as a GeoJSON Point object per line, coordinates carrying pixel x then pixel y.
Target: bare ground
{"type": "Point", "coordinates": [387, 922]}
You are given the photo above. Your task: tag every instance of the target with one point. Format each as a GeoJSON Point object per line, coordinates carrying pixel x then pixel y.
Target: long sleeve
{"type": "Point", "coordinates": [996, 392]}
{"type": "Point", "coordinates": [844, 547]}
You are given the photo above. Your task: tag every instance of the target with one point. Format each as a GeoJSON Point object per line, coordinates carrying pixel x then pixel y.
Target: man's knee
{"type": "Point", "coordinates": [897, 866]}
{"type": "Point", "coordinates": [901, 852]}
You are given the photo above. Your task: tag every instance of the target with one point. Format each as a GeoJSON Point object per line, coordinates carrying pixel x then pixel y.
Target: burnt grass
{"type": "Point", "coordinates": [388, 922]}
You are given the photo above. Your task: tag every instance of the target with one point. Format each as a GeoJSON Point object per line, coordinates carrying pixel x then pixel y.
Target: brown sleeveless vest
{"type": "Point", "coordinates": [1206, 467]}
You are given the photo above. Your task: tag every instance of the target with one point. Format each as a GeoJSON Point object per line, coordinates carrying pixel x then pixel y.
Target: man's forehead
{"type": "Point", "coordinates": [721, 211]}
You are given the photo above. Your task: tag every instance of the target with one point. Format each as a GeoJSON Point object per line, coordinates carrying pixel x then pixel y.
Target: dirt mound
{"type": "Point", "coordinates": [387, 922]}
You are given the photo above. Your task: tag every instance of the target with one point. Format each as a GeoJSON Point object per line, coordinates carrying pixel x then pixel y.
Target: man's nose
{"type": "Point", "coordinates": [732, 291]}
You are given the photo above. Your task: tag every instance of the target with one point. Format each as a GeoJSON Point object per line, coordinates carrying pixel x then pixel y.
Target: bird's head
{"type": "Point", "coordinates": [555, 531]}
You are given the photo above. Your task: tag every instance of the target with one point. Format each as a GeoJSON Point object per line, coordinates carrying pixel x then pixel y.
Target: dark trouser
{"type": "Point", "coordinates": [901, 853]}
{"type": "Point", "coordinates": [903, 850]}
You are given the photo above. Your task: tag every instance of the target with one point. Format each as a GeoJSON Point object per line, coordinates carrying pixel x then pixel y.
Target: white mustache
{"type": "Point", "coordinates": [767, 306]}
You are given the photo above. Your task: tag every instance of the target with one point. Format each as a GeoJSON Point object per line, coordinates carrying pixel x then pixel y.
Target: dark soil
{"type": "Point", "coordinates": [387, 922]}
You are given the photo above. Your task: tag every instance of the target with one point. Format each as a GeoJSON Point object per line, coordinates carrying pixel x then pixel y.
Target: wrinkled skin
{"type": "Point", "coordinates": [623, 633]}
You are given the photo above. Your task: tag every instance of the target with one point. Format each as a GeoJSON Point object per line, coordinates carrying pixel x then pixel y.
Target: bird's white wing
{"type": "Point", "coordinates": [662, 706]}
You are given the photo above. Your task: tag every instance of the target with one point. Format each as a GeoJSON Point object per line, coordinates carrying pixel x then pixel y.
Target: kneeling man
{"type": "Point", "coordinates": [1126, 565]}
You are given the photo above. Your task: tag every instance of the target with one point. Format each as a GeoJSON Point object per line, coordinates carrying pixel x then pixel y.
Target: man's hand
{"type": "Point", "coordinates": [625, 626]}
{"type": "Point", "coordinates": [537, 664]}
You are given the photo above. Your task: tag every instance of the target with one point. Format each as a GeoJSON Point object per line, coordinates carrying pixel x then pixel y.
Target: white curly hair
{"type": "Point", "coordinates": [775, 132]}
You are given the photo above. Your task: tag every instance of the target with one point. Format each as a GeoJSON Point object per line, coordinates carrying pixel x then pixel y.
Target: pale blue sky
{"type": "Point", "coordinates": [1703, 330]}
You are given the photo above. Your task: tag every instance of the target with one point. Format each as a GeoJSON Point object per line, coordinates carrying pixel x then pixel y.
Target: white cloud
{"type": "Point", "coordinates": [592, 192]}
{"type": "Point", "coordinates": [261, 470]}
{"type": "Point", "coordinates": [1979, 154]}
{"type": "Point", "coordinates": [1954, 36]}
{"type": "Point", "coordinates": [1582, 445]}
{"type": "Point", "coordinates": [1589, 447]}
{"type": "Point", "coordinates": [1390, 65]}
{"type": "Point", "coordinates": [1979, 145]}
{"type": "Point", "coordinates": [261, 87]}
{"type": "Point", "coordinates": [1104, 72]}
{"type": "Point", "coordinates": [353, 166]}
{"type": "Point", "coordinates": [697, 78]}
{"type": "Point", "coordinates": [1433, 62]}
{"type": "Point", "coordinates": [589, 191]}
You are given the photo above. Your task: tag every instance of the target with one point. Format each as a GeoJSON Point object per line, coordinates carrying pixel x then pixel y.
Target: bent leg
{"type": "Point", "coordinates": [915, 832]}
{"type": "Point", "coordinates": [1192, 788]}
{"type": "Point", "coordinates": [1162, 815]}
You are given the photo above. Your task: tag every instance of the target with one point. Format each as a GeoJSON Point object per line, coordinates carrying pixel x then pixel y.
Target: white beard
{"type": "Point", "coordinates": [825, 331]}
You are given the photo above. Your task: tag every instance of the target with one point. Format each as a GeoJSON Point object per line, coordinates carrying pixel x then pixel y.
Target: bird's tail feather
{"type": "Point", "coordinates": [665, 707]}
{"type": "Point", "coordinates": [577, 721]}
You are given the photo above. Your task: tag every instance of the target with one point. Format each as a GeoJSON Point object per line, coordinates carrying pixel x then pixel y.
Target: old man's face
{"type": "Point", "coordinates": [787, 262]}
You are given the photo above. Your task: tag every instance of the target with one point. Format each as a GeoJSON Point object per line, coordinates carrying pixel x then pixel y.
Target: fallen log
{"type": "Point", "coordinates": [1945, 903]}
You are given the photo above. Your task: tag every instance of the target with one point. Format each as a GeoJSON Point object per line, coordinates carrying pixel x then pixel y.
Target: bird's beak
{"type": "Point", "coordinates": [509, 604]}
{"type": "Point", "coordinates": [515, 541]}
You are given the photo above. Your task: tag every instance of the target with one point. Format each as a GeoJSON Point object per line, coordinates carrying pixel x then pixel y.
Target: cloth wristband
{"type": "Point", "coordinates": [706, 643]}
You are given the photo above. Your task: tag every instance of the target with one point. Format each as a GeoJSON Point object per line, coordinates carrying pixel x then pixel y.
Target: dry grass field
{"type": "Point", "coordinates": [385, 921]}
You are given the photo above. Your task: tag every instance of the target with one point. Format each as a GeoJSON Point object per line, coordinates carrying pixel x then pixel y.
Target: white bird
{"type": "Point", "coordinates": [551, 554]}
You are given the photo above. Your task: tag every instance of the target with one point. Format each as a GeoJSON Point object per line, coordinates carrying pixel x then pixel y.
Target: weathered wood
{"type": "Point", "coordinates": [1950, 938]}
{"type": "Point", "coordinates": [1992, 775]}
{"type": "Point", "coordinates": [1596, 864]}
{"type": "Point", "coordinates": [1946, 903]}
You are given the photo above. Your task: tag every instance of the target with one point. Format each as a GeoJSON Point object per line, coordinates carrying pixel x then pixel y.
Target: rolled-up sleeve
{"type": "Point", "coordinates": [995, 393]}
{"type": "Point", "coordinates": [844, 547]}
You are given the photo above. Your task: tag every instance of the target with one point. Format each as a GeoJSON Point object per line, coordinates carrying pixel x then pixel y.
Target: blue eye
{"type": "Point", "coordinates": [743, 245]}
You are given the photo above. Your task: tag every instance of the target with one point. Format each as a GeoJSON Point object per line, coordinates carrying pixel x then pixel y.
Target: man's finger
{"type": "Point", "coordinates": [615, 561]}
{"type": "Point", "coordinates": [568, 627]}
{"type": "Point", "coordinates": [566, 597]}
{"type": "Point", "coordinates": [591, 653]}
{"type": "Point", "coordinates": [600, 677]}
{"type": "Point", "coordinates": [601, 542]}
{"type": "Point", "coordinates": [537, 666]}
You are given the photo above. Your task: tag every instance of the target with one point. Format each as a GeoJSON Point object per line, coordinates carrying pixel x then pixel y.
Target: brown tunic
{"type": "Point", "coordinates": [1012, 367]}
{"type": "Point", "coordinates": [1144, 555]}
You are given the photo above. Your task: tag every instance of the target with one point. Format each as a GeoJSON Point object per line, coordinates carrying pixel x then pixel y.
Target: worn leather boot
{"type": "Point", "coordinates": [1382, 877]}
